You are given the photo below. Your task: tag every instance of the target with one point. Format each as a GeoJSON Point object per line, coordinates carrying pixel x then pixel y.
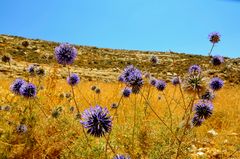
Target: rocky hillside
{"type": "Point", "coordinates": [102, 63]}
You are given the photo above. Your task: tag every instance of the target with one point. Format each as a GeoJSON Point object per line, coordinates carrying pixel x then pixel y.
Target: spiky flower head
{"type": "Point", "coordinates": [196, 121]}
{"type": "Point", "coordinates": [93, 88]}
{"type": "Point", "coordinates": [40, 72]}
{"type": "Point", "coordinates": [16, 85]}
{"type": "Point", "coordinates": [154, 59]}
{"type": "Point", "coordinates": [160, 85]}
{"type": "Point", "coordinates": [114, 105]}
{"type": "Point", "coordinates": [133, 78]}
{"type": "Point", "coordinates": [194, 69]}
{"type": "Point", "coordinates": [65, 54]}
{"type": "Point", "coordinates": [22, 128]}
{"type": "Point", "coordinates": [31, 69]}
{"type": "Point", "coordinates": [203, 109]}
{"type": "Point", "coordinates": [28, 90]}
{"type": "Point", "coordinates": [6, 58]}
{"type": "Point", "coordinates": [217, 60]}
{"type": "Point", "coordinates": [147, 75]}
{"type": "Point", "coordinates": [73, 79]}
{"type": "Point", "coordinates": [126, 92]}
{"type": "Point", "coordinates": [120, 78]}
{"type": "Point", "coordinates": [121, 157]}
{"type": "Point", "coordinates": [214, 37]}
{"type": "Point", "coordinates": [208, 95]}
{"type": "Point", "coordinates": [194, 83]}
{"type": "Point", "coordinates": [98, 90]}
{"type": "Point", "coordinates": [97, 121]}
{"type": "Point", "coordinates": [175, 81]}
{"type": "Point", "coordinates": [153, 81]}
{"type": "Point", "coordinates": [216, 84]}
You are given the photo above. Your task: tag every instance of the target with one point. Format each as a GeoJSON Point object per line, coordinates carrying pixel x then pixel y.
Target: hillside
{"type": "Point", "coordinates": [102, 63]}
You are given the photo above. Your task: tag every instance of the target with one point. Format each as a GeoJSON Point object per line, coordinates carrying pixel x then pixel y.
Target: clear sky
{"type": "Point", "coordinates": [159, 25]}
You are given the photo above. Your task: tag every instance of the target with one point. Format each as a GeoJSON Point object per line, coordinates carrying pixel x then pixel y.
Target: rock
{"type": "Point", "coordinates": [212, 133]}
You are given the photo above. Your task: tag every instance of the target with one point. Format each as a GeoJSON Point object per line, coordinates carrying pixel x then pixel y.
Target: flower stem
{"type": "Point", "coordinates": [209, 54]}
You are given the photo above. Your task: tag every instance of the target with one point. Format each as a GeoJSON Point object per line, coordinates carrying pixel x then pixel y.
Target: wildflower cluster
{"type": "Point", "coordinates": [132, 77]}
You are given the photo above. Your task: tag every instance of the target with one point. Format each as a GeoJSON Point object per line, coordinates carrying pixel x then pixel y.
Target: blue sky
{"type": "Point", "coordinates": [181, 26]}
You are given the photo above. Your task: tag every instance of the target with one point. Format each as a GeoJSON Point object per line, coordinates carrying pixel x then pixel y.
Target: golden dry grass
{"type": "Point", "coordinates": [63, 137]}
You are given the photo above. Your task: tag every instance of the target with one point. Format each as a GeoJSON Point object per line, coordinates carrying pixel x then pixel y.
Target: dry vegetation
{"type": "Point", "coordinates": [54, 131]}
{"type": "Point", "coordinates": [62, 136]}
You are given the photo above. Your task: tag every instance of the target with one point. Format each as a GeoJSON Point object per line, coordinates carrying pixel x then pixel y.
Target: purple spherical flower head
{"type": "Point", "coordinates": [133, 78]}
{"type": "Point", "coordinates": [214, 37]}
{"type": "Point", "coordinates": [196, 121]}
{"type": "Point", "coordinates": [208, 95]}
{"type": "Point", "coordinates": [126, 92]}
{"type": "Point", "coordinates": [65, 54]}
{"type": "Point", "coordinates": [217, 60]}
{"type": "Point", "coordinates": [21, 128]}
{"type": "Point", "coordinates": [73, 79]}
{"type": "Point", "coordinates": [121, 157]}
{"type": "Point", "coordinates": [216, 84]}
{"type": "Point", "coordinates": [15, 87]}
{"type": "Point", "coordinates": [153, 81]}
{"type": "Point", "coordinates": [97, 121]}
{"type": "Point", "coordinates": [175, 81]}
{"type": "Point", "coordinates": [28, 90]}
{"type": "Point", "coordinates": [120, 78]}
{"type": "Point", "coordinates": [31, 69]}
{"type": "Point", "coordinates": [203, 109]}
{"type": "Point", "coordinates": [194, 69]}
{"type": "Point", "coordinates": [160, 85]}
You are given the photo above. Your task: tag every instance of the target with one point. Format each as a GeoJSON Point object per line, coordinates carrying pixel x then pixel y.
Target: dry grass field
{"type": "Point", "coordinates": [61, 136]}
{"type": "Point", "coordinates": [155, 122]}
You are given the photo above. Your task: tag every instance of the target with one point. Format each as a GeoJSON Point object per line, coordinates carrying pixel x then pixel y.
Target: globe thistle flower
{"type": "Point", "coordinates": [65, 54]}
{"type": "Point", "coordinates": [31, 69]}
{"type": "Point", "coordinates": [98, 90]}
{"type": "Point", "coordinates": [121, 157]}
{"type": "Point", "coordinates": [214, 37]}
{"type": "Point", "coordinates": [68, 95]}
{"type": "Point", "coordinates": [208, 95]}
{"type": "Point", "coordinates": [217, 60]}
{"type": "Point", "coordinates": [97, 121]}
{"type": "Point", "coordinates": [120, 78]}
{"type": "Point", "coordinates": [55, 113]}
{"type": "Point", "coordinates": [28, 90]}
{"type": "Point", "coordinates": [216, 84]}
{"type": "Point", "coordinates": [72, 108]}
{"type": "Point", "coordinates": [147, 75]}
{"type": "Point", "coordinates": [133, 78]}
{"type": "Point", "coordinates": [73, 79]}
{"type": "Point", "coordinates": [153, 81]}
{"type": "Point", "coordinates": [6, 59]}
{"type": "Point", "coordinates": [194, 83]}
{"type": "Point", "coordinates": [196, 121]}
{"type": "Point", "coordinates": [203, 109]}
{"type": "Point", "coordinates": [154, 59]}
{"type": "Point", "coordinates": [40, 72]}
{"type": "Point", "coordinates": [175, 81]}
{"type": "Point", "coordinates": [21, 128]}
{"type": "Point", "coordinates": [114, 105]}
{"type": "Point", "coordinates": [93, 88]}
{"type": "Point", "coordinates": [160, 85]}
{"type": "Point", "coordinates": [25, 43]}
{"type": "Point", "coordinates": [194, 69]}
{"type": "Point", "coordinates": [16, 85]}
{"type": "Point", "coordinates": [126, 92]}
